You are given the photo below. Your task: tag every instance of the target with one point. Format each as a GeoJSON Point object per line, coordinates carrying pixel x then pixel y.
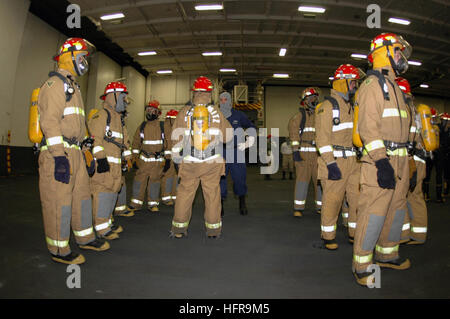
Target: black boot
{"type": "Point", "coordinates": [222, 212]}
{"type": "Point", "coordinates": [290, 175]}
{"type": "Point", "coordinates": [426, 191]}
{"type": "Point", "coordinates": [242, 207]}
{"type": "Point", "coordinates": [284, 175]}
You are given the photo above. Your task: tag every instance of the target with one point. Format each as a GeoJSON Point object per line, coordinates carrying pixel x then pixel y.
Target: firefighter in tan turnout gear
{"type": "Point", "coordinates": [148, 151]}
{"type": "Point", "coordinates": [198, 134]}
{"type": "Point", "coordinates": [301, 133]}
{"type": "Point", "coordinates": [338, 165]}
{"type": "Point", "coordinates": [170, 178]}
{"type": "Point", "coordinates": [63, 178]}
{"type": "Point", "coordinates": [110, 145]}
{"type": "Point", "coordinates": [415, 224]}
{"type": "Point", "coordinates": [384, 125]}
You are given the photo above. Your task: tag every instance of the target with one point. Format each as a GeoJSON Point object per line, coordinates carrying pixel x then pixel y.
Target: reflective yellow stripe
{"type": "Point", "coordinates": [85, 232]}
{"type": "Point", "coordinates": [213, 226]}
{"type": "Point", "coordinates": [180, 225]}
{"type": "Point", "coordinates": [398, 152]}
{"type": "Point", "coordinates": [73, 110]}
{"type": "Point", "coordinates": [66, 145]}
{"type": "Point", "coordinates": [363, 259]}
{"type": "Point", "coordinates": [386, 250]}
{"type": "Point", "coordinates": [120, 208]}
{"type": "Point", "coordinates": [136, 201]}
{"type": "Point", "coordinates": [294, 143]}
{"type": "Point", "coordinates": [103, 226]}
{"type": "Point", "coordinates": [57, 243]}
{"type": "Point", "coordinates": [394, 113]}
{"type": "Point", "coordinates": [419, 229]}
{"type": "Point", "coordinates": [376, 144]}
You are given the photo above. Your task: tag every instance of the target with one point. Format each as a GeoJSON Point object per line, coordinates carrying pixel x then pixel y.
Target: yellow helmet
{"type": "Point", "coordinates": [383, 49]}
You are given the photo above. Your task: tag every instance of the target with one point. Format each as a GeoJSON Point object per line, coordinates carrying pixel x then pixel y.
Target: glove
{"type": "Point", "coordinates": [102, 165]}
{"type": "Point", "coordinates": [166, 165]}
{"type": "Point", "coordinates": [334, 173]}
{"type": "Point", "coordinates": [297, 157]}
{"type": "Point", "coordinates": [413, 182]}
{"type": "Point", "coordinates": [62, 169]}
{"type": "Point", "coordinates": [385, 174]}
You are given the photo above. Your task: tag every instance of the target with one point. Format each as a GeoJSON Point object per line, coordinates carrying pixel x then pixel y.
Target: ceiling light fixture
{"type": "Point", "coordinates": [281, 75]}
{"type": "Point", "coordinates": [113, 16]}
{"type": "Point", "coordinates": [417, 63]}
{"type": "Point", "coordinates": [359, 56]}
{"type": "Point", "coordinates": [227, 70]}
{"type": "Point", "coordinates": [164, 72]}
{"type": "Point", "coordinates": [282, 52]}
{"type": "Point", "coordinates": [147, 53]}
{"type": "Point", "coordinates": [205, 7]}
{"type": "Point", "coordinates": [212, 53]}
{"type": "Point", "coordinates": [331, 78]}
{"type": "Point", "coordinates": [399, 21]}
{"type": "Point", "coordinates": [311, 9]}
{"type": "Point", "coordinates": [424, 86]}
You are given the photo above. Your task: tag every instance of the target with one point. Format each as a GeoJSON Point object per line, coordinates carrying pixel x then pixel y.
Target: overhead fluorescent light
{"type": "Point", "coordinates": [281, 75]}
{"type": "Point", "coordinates": [417, 63]}
{"type": "Point", "coordinates": [204, 7]}
{"type": "Point", "coordinates": [331, 78]}
{"type": "Point", "coordinates": [282, 52]}
{"type": "Point", "coordinates": [359, 56]}
{"type": "Point", "coordinates": [147, 53]}
{"type": "Point", "coordinates": [311, 9]}
{"type": "Point", "coordinates": [399, 21]}
{"type": "Point", "coordinates": [424, 86]}
{"type": "Point", "coordinates": [212, 53]}
{"type": "Point", "coordinates": [164, 72]}
{"type": "Point", "coordinates": [227, 70]}
{"type": "Point", "coordinates": [113, 16]}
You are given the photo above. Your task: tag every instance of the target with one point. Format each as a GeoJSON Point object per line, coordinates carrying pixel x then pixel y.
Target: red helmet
{"type": "Point", "coordinates": [113, 87]}
{"type": "Point", "coordinates": [403, 84]}
{"type": "Point", "coordinates": [385, 39]}
{"type": "Point", "coordinates": [348, 72]}
{"type": "Point", "coordinates": [172, 114]}
{"type": "Point", "coordinates": [445, 116]}
{"type": "Point", "coordinates": [75, 44]}
{"type": "Point", "coordinates": [308, 92]}
{"type": "Point", "coordinates": [202, 84]}
{"type": "Point", "coordinates": [153, 103]}
{"type": "Point", "coordinates": [433, 111]}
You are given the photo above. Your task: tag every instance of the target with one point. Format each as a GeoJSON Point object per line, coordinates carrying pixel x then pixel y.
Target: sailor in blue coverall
{"type": "Point", "coordinates": [235, 163]}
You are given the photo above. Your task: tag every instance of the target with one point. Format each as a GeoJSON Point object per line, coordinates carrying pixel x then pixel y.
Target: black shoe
{"type": "Point", "coordinates": [70, 259]}
{"type": "Point", "coordinates": [222, 212]}
{"type": "Point", "coordinates": [398, 264]}
{"type": "Point", "coordinates": [97, 245]}
{"type": "Point", "coordinates": [242, 207]}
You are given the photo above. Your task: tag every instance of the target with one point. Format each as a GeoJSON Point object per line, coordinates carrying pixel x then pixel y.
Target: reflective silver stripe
{"type": "Point", "coordinates": [295, 143]}
{"type": "Point", "coordinates": [416, 158]}
{"type": "Point", "coordinates": [308, 149]}
{"type": "Point", "coordinates": [345, 215]}
{"type": "Point", "coordinates": [136, 201]}
{"type": "Point", "coordinates": [394, 113]}
{"type": "Point", "coordinates": [166, 197]}
{"type": "Point", "coordinates": [54, 140]}
{"type": "Point", "coordinates": [352, 225]}
{"type": "Point", "coordinates": [318, 202]}
{"type": "Point", "coordinates": [152, 142]}
{"type": "Point", "coordinates": [66, 145]}
{"type": "Point", "coordinates": [374, 145]}
{"type": "Point", "coordinates": [347, 153]}
{"type": "Point", "coordinates": [335, 113]}
{"type": "Point", "coordinates": [343, 126]}
{"type": "Point", "coordinates": [116, 134]}
{"type": "Point", "coordinates": [325, 149]}
{"type": "Point", "coordinates": [419, 229]}
{"type": "Point", "coordinates": [151, 159]}
{"type": "Point", "coordinates": [135, 151]}
{"type": "Point", "coordinates": [406, 226]}
{"type": "Point", "coordinates": [114, 160]}
{"type": "Point", "coordinates": [398, 152]}
{"type": "Point", "coordinates": [180, 225]}
{"type": "Point", "coordinates": [386, 250]}
{"type": "Point", "coordinates": [98, 149]}
{"type": "Point", "coordinates": [362, 259]}
{"type": "Point", "coordinates": [213, 131]}
{"type": "Point", "coordinates": [413, 129]}
{"type": "Point", "coordinates": [153, 203]}
{"type": "Point", "coordinates": [102, 226]}
{"type": "Point", "coordinates": [194, 159]}
{"type": "Point", "coordinates": [299, 202]}
{"type": "Point", "coordinates": [57, 243]}
{"type": "Point", "coordinates": [213, 226]}
{"type": "Point", "coordinates": [120, 208]}
{"type": "Point", "coordinates": [309, 129]}
{"type": "Point", "coordinates": [167, 153]}
{"type": "Point", "coordinates": [328, 229]}
{"type": "Point", "coordinates": [73, 110]}
{"type": "Point", "coordinates": [83, 233]}
{"type": "Point", "coordinates": [174, 197]}
{"type": "Point", "coordinates": [126, 153]}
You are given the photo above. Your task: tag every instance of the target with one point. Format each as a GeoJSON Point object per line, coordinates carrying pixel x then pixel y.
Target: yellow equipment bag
{"type": "Point", "coordinates": [34, 129]}
{"type": "Point", "coordinates": [356, 137]}
{"type": "Point", "coordinates": [430, 132]}
{"type": "Point", "coordinates": [200, 125]}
